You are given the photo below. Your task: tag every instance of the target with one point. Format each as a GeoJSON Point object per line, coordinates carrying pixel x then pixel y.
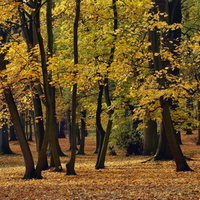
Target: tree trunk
{"type": "Point", "coordinates": [97, 142]}
{"type": "Point", "coordinates": [189, 106]}
{"type": "Point", "coordinates": [163, 150]}
{"type": "Point", "coordinates": [150, 138]}
{"type": "Point", "coordinates": [13, 136]}
{"type": "Point", "coordinates": [4, 143]}
{"type": "Point", "coordinates": [100, 133]}
{"type": "Point", "coordinates": [39, 126]}
{"type": "Point", "coordinates": [49, 93]}
{"type": "Point", "coordinates": [83, 130]}
{"type": "Point", "coordinates": [172, 9]}
{"type": "Point", "coordinates": [103, 149]}
{"type": "Point", "coordinates": [69, 127]}
{"type": "Point", "coordinates": [29, 164]}
{"type": "Point", "coordinates": [78, 134]}
{"type": "Point", "coordinates": [181, 164]}
{"type": "Point", "coordinates": [61, 129]}
{"type": "Point", "coordinates": [28, 159]}
{"type": "Point", "coordinates": [71, 164]}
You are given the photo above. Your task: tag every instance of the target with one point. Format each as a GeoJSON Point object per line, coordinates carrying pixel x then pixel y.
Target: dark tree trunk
{"type": "Point", "coordinates": [78, 134]}
{"type": "Point", "coordinates": [49, 92]}
{"type": "Point", "coordinates": [181, 164]}
{"type": "Point", "coordinates": [163, 151]}
{"type": "Point", "coordinates": [29, 164]}
{"type": "Point", "coordinates": [178, 137]}
{"type": "Point", "coordinates": [4, 143]}
{"type": "Point", "coordinates": [173, 9]}
{"type": "Point", "coordinates": [69, 127]}
{"type": "Point", "coordinates": [13, 136]}
{"type": "Point", "coordinates": [103, 149]}
{"type": "Point", "coordinates": [28, 159]}
{"type": "Point", "coordinates": [61, 129]}
{"type": "Point", "coordinates": [83, 130]}
{"type": "Point", "coordinates": [100, 133]}
{"type": "Point", "coordinates": [29, 131]}
{"type": "Point", "coordinates": [150, 141]}
{"type": "Point", "coordinates": [97, 142]}
{"type": "Point", "coordinates": [31, 34]}
{"type": "Point", "coordinates": [39, 126]}
{"type": "Point", "coordinates": [71, 164]}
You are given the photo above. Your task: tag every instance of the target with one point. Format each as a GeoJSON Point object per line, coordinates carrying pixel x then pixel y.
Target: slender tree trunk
{"type": "Point", "coordinates": [83, 130]}
{"type": "Point", "coordinates": [103, 149]}
{"type": "Point", "coordinates": [97, 142]}
{"type": "Point", "coordinates": [100, 133]}
{"type": "Point", "coordinates": [31, 33]}
{"type": "Point", "coordinates": [39, 126]}
{"type": "Point", "coordinates": [189, 106]}
{"type": "Point", "coordinates": [78, 134]}
{"type": "Point", "coordinates": [71, 164]}
{"type": "Point", "coordinates": [29, 164]}
{"type": "Point", "coordinates": [49, 95]}
{"type": "Point", "coordinates": [28, 159]}
{"type": "Point", "coordinates": [69, 127]}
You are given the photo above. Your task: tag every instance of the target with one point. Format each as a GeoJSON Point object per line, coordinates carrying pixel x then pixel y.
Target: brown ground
{"type": "Point", "coordinates": [123, 177]}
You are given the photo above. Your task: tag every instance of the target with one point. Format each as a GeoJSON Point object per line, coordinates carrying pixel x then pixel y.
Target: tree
{"type": "Point", "coordinates": [105, 139]}
{"type": "Point", "coordinates": [83, 133]}
{"type": "Point", "coordinates": [4, 142]}
{"type": "Point", "coordinates": [50, 136]}
{"type": "Point", "coordinates": [29, 163]}
{"type": "Point", "coordinates": [150, 141]}
{"type": "Point", "coordinates": [180, 161]}
{"type": "Point", "coordinates": [71, 164]}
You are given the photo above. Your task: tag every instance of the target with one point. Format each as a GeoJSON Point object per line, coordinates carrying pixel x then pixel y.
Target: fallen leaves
{"type": "Point", "coordinates": [123, 178]}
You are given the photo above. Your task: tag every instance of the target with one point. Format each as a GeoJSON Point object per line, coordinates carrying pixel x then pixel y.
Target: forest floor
{"type": "Point", "coordinates": [123, 178]}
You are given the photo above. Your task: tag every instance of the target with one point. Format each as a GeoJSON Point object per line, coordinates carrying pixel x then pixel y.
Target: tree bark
{"type": "Point", "coordinates": [181, 164]}
{"type": "Point", "coordinates": [71, 164]}
{"type": "Point", "coordinates": [28, 159]}
{"type": "Point", "coordinates": [13, 136]}
{"type": "Point", "coordinates": [50, 99]}
{"type": "Point", "coordinates": [163, 150]}
{"type": "Point", "coordinates": [170, 8]}
{"type": "Point", "coordinates": [150, 141]}
{"type": "Point", "coordinates": [103, 148]}
{"type": "Point", "coordinates": [4, 143]}
{"type": "Point", "coordinates": [83, 130]}
{"type": "Point", "coordinates": [29, 164]}
{"type": "Point", "coordinates": [100, 133]}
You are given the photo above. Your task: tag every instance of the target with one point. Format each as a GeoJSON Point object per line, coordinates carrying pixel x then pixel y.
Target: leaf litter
{"type": "Point", "coordinates": [123, 177]}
